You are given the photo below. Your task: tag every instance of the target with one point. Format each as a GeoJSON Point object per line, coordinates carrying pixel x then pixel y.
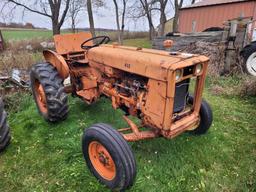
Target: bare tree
{"type": "Point", "coordinates": [90, 9]}
{"type": "Point", "coordinates": [141, 9]}
{"type": "Point", "coordinates": [120, 30]}
{"type": "Point", "coordinates": [177, 6]}
{"type": "Point", "coordinates": [163, 19]}
{"type": "Point", "coordinates": [147, 6]}
{"type": "Point", "coordinates": [48, 8]}
{"type": "Point", "coordinates": [91, 19]}
{"type": "Point", "coordinates": [76, 6]}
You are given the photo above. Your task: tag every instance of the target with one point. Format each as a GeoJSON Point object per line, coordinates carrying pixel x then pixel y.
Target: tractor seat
{"type": "Point", "coordinates": [70, 44]}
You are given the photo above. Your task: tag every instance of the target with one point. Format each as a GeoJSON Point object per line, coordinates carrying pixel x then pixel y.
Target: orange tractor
{"type": "Point", "coordinates": [149, 84]}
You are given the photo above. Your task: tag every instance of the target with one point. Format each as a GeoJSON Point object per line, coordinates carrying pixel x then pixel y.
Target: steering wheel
{"type": "Point", "coordinates": [102, 40]}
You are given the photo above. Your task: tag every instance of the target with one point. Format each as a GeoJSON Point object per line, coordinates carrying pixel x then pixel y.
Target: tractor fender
{"type": "Point", "coordinates": [58, 62]}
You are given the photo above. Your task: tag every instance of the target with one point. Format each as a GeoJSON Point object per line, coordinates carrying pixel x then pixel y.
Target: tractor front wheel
{"type": "Point", "coordinates": [206, 117]}
{"type": "Point", "coordinates": [48, 92]}
{"type": "Point", "coordinates": [109, 157]}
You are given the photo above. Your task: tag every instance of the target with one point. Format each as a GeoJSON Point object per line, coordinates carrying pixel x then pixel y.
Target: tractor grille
{"type": "Point", "coordinates": [181, 93]}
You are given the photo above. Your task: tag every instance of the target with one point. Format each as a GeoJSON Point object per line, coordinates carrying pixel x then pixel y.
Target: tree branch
{"type": "Point", "coordinates": [28, 8]}
{"type": "Point", "coordinates": [64, 13]}
{"type": "Point", "coordinates": [181, 3]}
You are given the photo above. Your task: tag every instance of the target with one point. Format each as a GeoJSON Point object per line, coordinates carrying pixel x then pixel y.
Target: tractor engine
{"type": "Point", "coordinates": [130, 85]}
{"type": "Point", "coordinates": [126, 91]}
{"type": "Point", "coordinates": [133, 87]}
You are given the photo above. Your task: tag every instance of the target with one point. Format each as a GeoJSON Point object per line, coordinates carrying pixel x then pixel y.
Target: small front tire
{"type": "Point", "coordinates": [206, 117]}
{"type": "Point", "coordinates": [109, 157]}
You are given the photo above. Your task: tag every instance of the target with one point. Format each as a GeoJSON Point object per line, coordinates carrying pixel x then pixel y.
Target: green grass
{"type": "Point", "coordinates": [26, 34]}
{"type": "Point", "coordinates": [23, 34]}
{"type": "Point", "coordinates": [145, 43]}
{"type": "Point", "coordinates": [48, 157]}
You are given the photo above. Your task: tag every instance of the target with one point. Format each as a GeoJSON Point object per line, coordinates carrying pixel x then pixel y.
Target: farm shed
{"type": "Point", "coordinates": [168, 26]}
{"type": "Point", "coordinates": [212, 13]}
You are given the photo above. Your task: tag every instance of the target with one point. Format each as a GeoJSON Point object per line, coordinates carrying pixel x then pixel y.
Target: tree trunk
{"type": "Point", "coordinates": [123, 24]}
{"type": "Point", "coordinates": [91, 20]}
{"type": "Point", "coordinates": [151, 32]}
{"type": "Point", "coordinates": [175, 22]}
{"type": "Point", "coordinates": [163, 19]}
{"type": "Point", "coordinates": [73, 25]}
{"type": "Point", "coordinates": [162, 23]}
{"type": "Point", "coordinates": [55, 27]}
{"type": "Point", "coordinates": [122, 35]}
{"type": "Point", "coordinates": [151, 29]}
{"type": "Point", "coordinates": [151, 26]}
{"type": "Point", "coordinates": [117, 22]}
{"type": "Point", "coordinates": [147, 10]}
{"type": "Point", "coordinates": [176, 15]}
{"type": "Point", "coordinates": [55, 30]}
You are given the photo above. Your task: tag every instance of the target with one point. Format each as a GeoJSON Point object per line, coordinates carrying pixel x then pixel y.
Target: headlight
{"type": "Point", "coordinates": [198, 69]}
{"type": "Point", "coordinates": [179, 73]}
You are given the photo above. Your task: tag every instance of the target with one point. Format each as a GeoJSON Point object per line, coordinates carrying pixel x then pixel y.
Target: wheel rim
{"type": "Point", "coordinates": [251, 64]}
{"type": "Point", "coordinates": [40, 97]}
{"type": "Point", "coordinates": [102, 160]}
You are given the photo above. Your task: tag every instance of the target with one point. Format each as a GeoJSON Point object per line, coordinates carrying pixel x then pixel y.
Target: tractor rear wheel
{"type": "Point", "coordinates": [206, 117]}
{"type": "Point", "coordinates": [109, 157]}
{"type": "Point", "coordinates": [249, 54]}
{"type": "Point", "coordinates": [5, 136]}
{"type": "Point", "coordinates": [48, 92]}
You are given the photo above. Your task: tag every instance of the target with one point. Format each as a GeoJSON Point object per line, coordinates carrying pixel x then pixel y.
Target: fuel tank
{"type": "Point", "coordinates": [150, 63]}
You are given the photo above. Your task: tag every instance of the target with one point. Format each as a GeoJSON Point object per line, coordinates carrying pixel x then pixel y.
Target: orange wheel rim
{"type": "Point", "coordinates": [102, 160]}
{"type": "Point", "coordinates": [40, 97]}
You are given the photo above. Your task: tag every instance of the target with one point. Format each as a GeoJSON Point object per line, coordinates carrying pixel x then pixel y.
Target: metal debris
{"type": "Point", "coordinates": [18, 80]}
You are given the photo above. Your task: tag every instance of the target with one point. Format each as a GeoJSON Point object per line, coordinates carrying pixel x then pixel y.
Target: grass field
{"type": "Point", "coordinates": [48, 157]}
{"type": "Point", "coordinates": [138, 43]}
{"type": "Point", "coordinates": [25, 34]}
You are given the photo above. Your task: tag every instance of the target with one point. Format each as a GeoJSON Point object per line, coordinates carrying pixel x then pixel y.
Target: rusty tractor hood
{"type": "Point", "coordinates": [145, 62]}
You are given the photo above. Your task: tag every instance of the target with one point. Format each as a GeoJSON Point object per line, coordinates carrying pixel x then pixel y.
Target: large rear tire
{"type": "Point", "coordinates": [48, 92]}
{"type": "Point", "coordinates": [109, 157]}
{"type": "Point", "coordinates": [249, 55]}
{"type": "Point", "coordinates": [5, 136]}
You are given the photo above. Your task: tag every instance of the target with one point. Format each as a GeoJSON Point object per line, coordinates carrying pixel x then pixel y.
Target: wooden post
{"type": "Point", "coordinates": [230, 52]}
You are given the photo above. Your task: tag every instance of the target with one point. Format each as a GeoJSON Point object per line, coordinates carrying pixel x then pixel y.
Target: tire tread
{"type": "Point", "coordinates": [5, 135]}
{"type": "Point", "coordinates": [57, 101]}
{"type": "Point", "coordinates": [121, 147]}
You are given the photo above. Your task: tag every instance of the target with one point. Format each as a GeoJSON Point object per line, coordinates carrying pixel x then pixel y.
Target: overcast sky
{"type": "Point", "coordinates": [104, 18]}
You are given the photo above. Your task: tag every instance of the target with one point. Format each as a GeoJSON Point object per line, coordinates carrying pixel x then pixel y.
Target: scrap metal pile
{"type": "Point", "coordinates": [17, 81]}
